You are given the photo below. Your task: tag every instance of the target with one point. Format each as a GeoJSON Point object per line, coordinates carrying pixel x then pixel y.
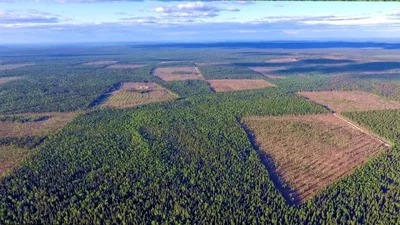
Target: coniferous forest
{"type": "Point", "coordinates": [187, 159]}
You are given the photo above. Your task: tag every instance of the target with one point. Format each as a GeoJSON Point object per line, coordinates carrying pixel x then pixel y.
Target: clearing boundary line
{"type": "Point", "coordinates": [386, 144]}
{"type": "Point", "coordinates": [338, 115]}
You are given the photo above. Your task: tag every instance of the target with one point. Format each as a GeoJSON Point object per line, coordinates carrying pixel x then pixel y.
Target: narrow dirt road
{"type": "Point", "coordinates": [361, 129]}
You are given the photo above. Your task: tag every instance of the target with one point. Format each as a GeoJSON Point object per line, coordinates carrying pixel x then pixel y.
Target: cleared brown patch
{"type": "Point", "coordinates": [275, 77]}
{"type": "Point", "coordinates": [53, 124]}
{"type": "Point", "coordinates": [100, 63]}
{"type": "Point", "coordinates": [310, 152]}
{"type": "Point", "coordinates": [225, 85]}
{"type": "Point", "coordinates": [282, 60]}
{"type": "Point", "coordinates": [4, 80]}
{"type": "Point", "coordinates": [14, 66]}
{"type": "Point", "coordinates": [341, 101]}
{"type": "Point", "coordinates": [178, 73]}
{"type": "Point", "coordinates": [11, 157]}
{"type": "Point", "coordinates": [133, 94]}
{"type": "Point", "coordinates": [125, 66]}
{"type": "Point", "coordinates": [268, 71]}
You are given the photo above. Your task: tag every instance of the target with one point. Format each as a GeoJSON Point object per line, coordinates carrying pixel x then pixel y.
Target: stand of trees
{"type": "Point", "coordinates": [179, 162]}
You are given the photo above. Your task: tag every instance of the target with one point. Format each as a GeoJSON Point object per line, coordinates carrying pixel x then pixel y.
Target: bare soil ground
{"type": "Point", "coordinates": [341, 101]}
{"type": "Point", "coordinates": [282, 60]}
{"type": "Point", "coordinates": [226, 85]}
{"type": "Point", "coordinates": [53, 124]}
{"type": "Point", "coordinates": [7, 79]}
{"type": "Point", "coordinates": [178, 73]}
{"type": "Point", "coordinates": [125, 66]}
{"type": "Point", "coordinates": [11, 157]}
{"type": "Point", "coordinates": [133, 94]}
{"type": "Point", "coordinates": [310, 152]}
{"type": "Point", "coordinates": [100, 63]}
{"type": "Point", "coordinates": [14, 66]}
{"type": "Point", "coordinates": [268, 71]}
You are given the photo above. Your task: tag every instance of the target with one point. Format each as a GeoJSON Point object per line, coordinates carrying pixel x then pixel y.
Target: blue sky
{"type": "Point", "coordinates": [57, 21]}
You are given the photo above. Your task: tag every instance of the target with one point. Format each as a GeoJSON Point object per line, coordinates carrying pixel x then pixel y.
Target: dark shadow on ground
{"type": "Point", "coordinates": [291, 196]}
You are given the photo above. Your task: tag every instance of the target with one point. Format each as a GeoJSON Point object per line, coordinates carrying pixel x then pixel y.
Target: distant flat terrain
{"type": "Point", "coordinates": [14, 66]}
{"type": "Point", "coordinates": [125, 66]}
{"type": "Point", "coordinates": [341, 101]}
{"type": "Point", "coordinates": [100, 63]}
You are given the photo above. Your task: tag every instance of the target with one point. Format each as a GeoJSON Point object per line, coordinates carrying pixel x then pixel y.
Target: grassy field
{"type": "Point", "coordinates": [310, 152]}
{"type": "Point", "coordinates": [54, 123]}
{"type": "Point", "coordinates": [341, 101]}
{"type": "Point", "coordinates": [11, 157]}
{"type": "Point", "coordinates": [4, 80]}
{"type": "Point", "coordinates": [100, 63]}
{"type": "Point", "coordinates": [14, 66]}
{"type": "Point", "coordinates": [125, 66]}
{"type": "Point", "coordinates": [134, 94]}
{"type": "Point", "coordinates": [227, 85]}
{"type": "Point", "coordinates": [177, 73]}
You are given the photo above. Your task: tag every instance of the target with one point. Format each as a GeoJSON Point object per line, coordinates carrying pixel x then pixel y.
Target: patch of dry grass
{"type": "Point", "coordinates": [342, 101]}
{"type": "Point", "coordinates": [11, 157]}
{"type": "Point", "coordinates": [100, 63]}
{"type": "Point", "coordinates": [53, 124]}
{"type": "Point", "coordinates": [177, 73]}
{"type": "Point", "coordinates": [310, 152]}
{"type": "Point", "coordinates": [125, 66]}
{"type": "Point", "coordinates": [133, 94]}
{"type": "Point", "coordinates": [14, 66]}
{"type": "Point", "coordinates": [226, 85]}
{"type": "Point", "coordinates": [4, 80]}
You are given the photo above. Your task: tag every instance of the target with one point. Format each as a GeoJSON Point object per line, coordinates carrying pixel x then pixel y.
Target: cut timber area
{"type": "Point", "coordinates": [178, 73]}
{"type": "Point", "coordinates": [348, 101]}
{"type": "Point", "coordinates": [310, 152]}
{"type": "Point", "coordinates": [226, 85]}
{"type": "Point", "coordinates": [134, 94]}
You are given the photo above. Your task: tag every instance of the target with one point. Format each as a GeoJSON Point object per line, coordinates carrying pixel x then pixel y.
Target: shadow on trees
{"type": "Point", "coordinates": [291, 196]}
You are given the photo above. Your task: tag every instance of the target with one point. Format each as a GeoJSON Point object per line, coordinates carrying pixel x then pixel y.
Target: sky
{"type": "Point", "coordinates": [76, 21]}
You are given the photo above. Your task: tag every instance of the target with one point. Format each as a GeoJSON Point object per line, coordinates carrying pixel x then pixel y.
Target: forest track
{"type": "Point", "coordinates": [198, 71]}
{"type": "Point", "coordinates": [355, 126]}
{"type": "Point", "coordinates": [349, 122]}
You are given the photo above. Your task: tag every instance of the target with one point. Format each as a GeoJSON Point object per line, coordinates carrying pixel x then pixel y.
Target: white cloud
{"type": "Point", "coordinates": [93, 1]}
{"type": "Point", "coordinates": [192, 9]}
{"type": "Point", "coordinates": [232, 9]}
{"type": "Point", "coordinates": [349, 20]}
{"type": "Point", "coordinates": [247, 31]}
{"type": "Point", "coordinates": [26, 17]}
{"type": "Point", "coordinates": [141, 20]}
{"type": "Point", "coordinates": [291, 32]}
